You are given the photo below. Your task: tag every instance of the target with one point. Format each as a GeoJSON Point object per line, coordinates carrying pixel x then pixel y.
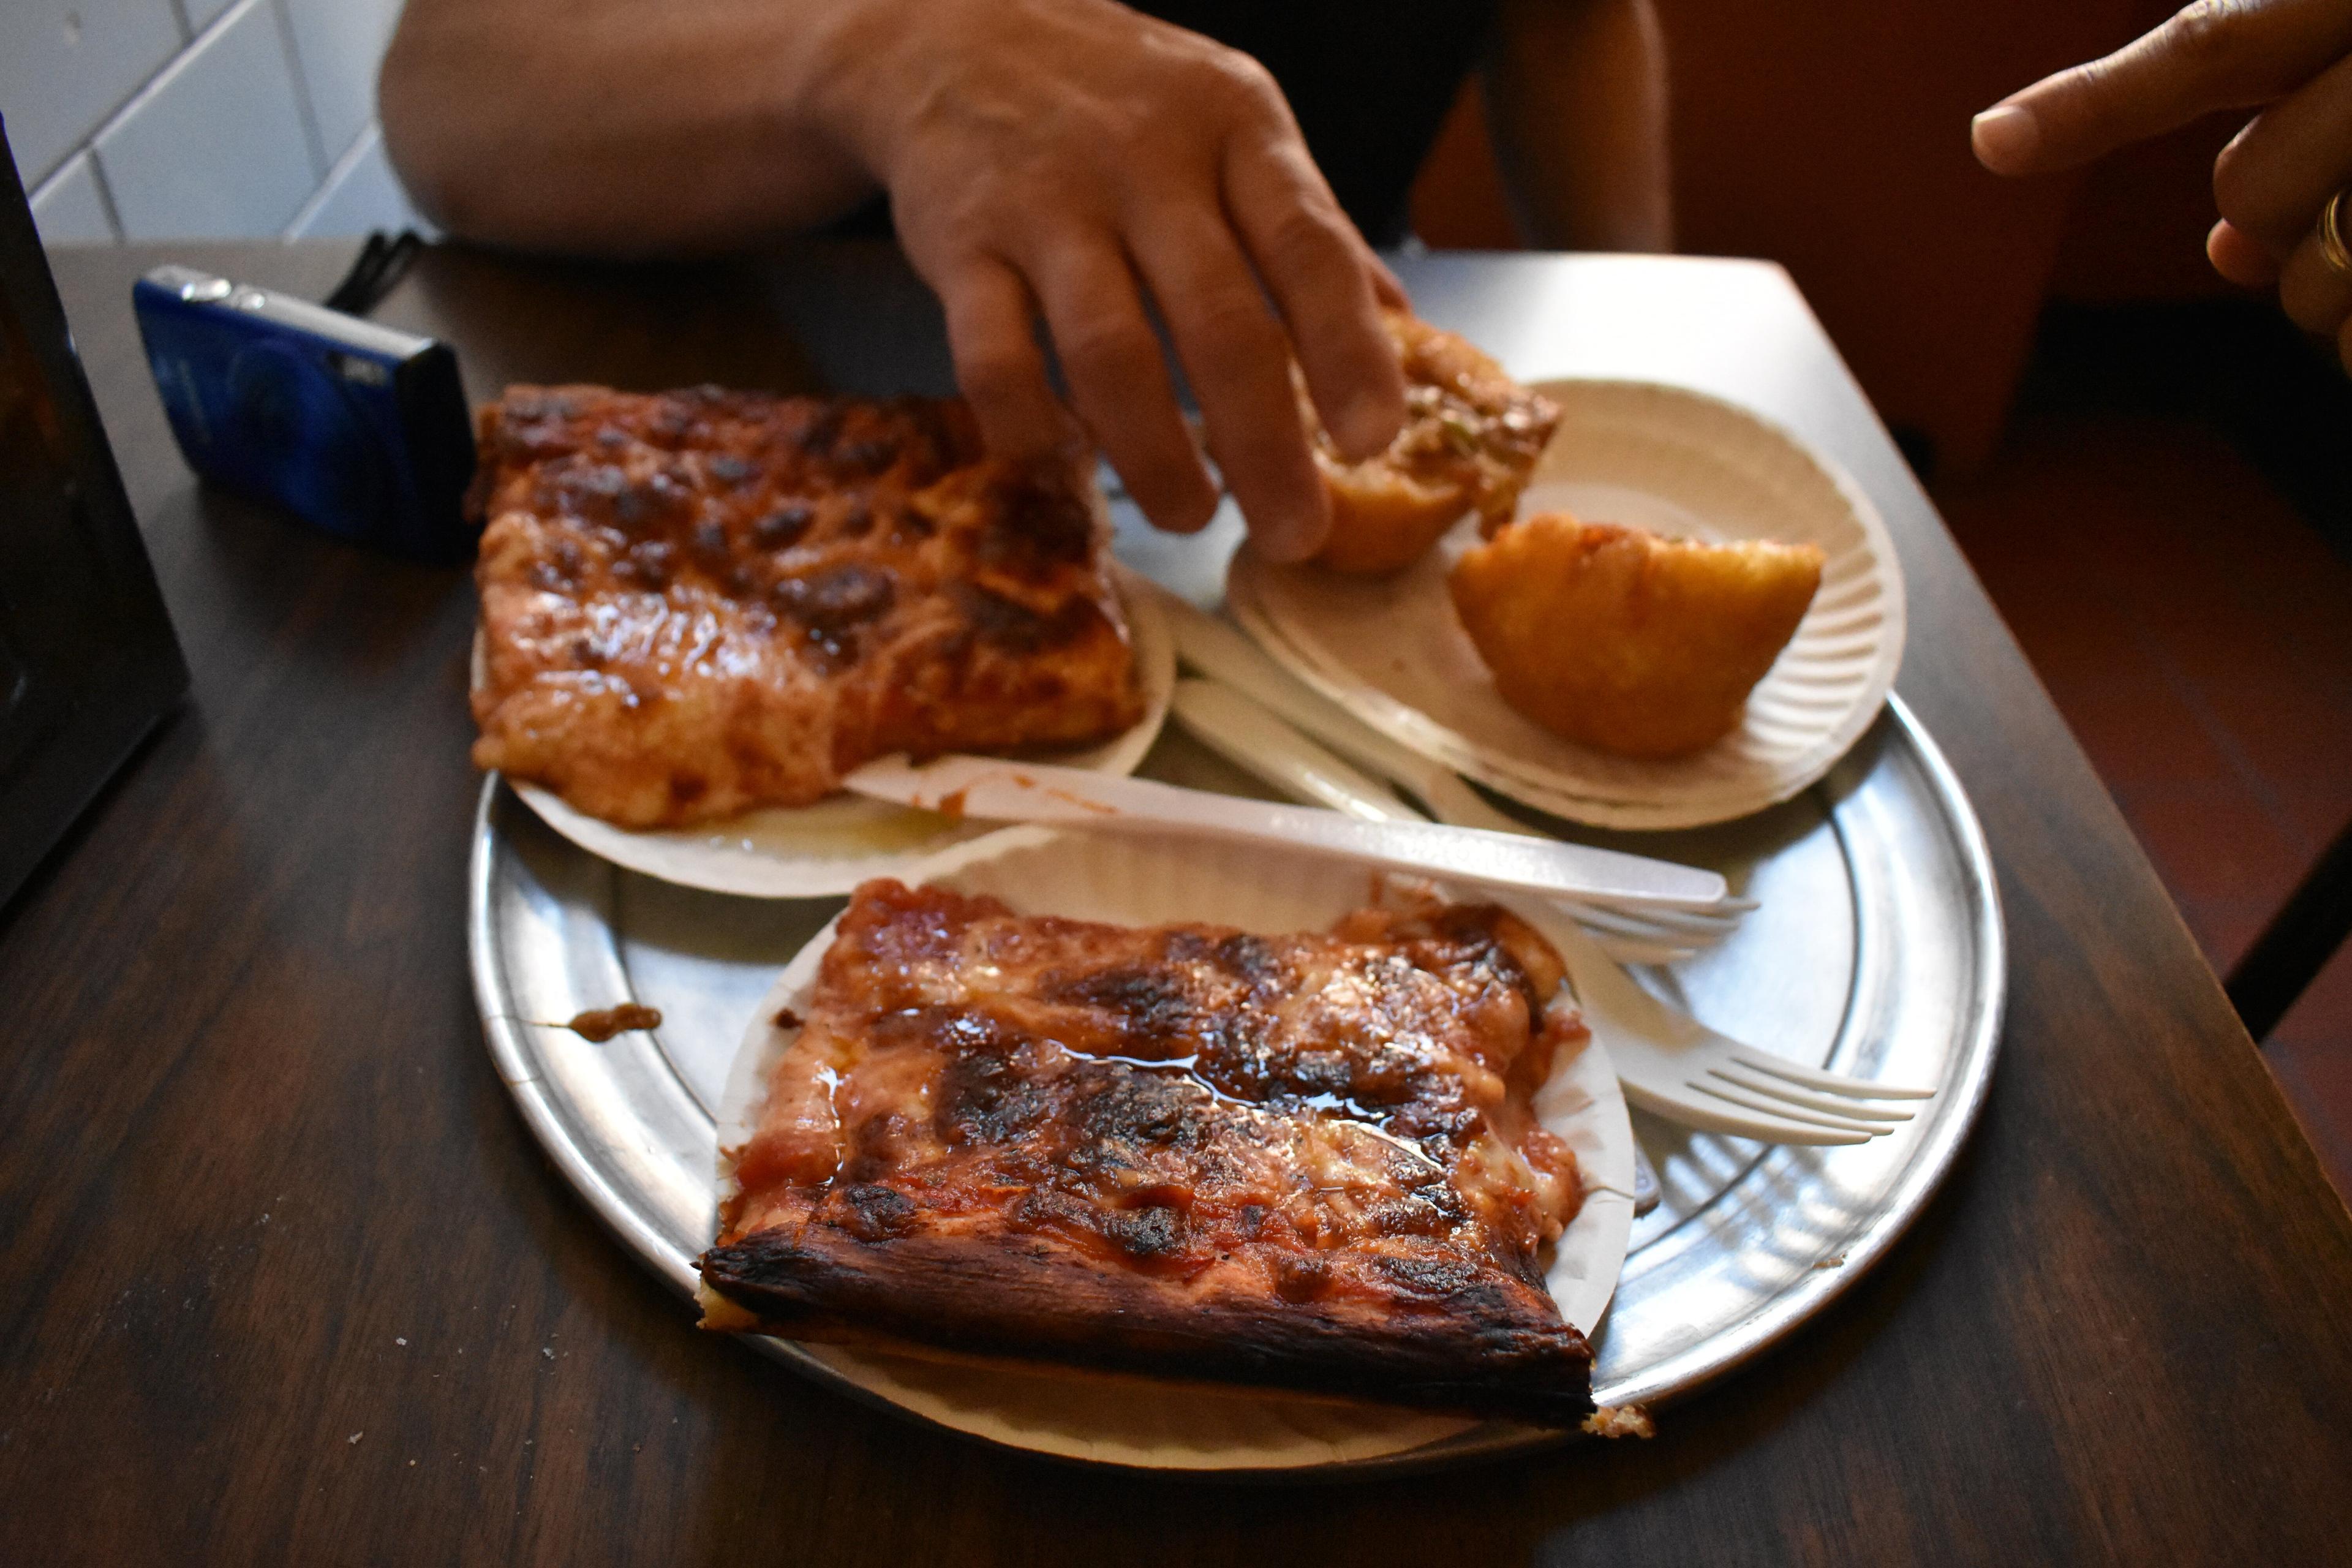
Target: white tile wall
{"type": "Point", "coordinates": [188, 119]}
{"type": "Point", "coordinates": [66, 65]}
{"type": "Point", "coordinates": [70, 210]}
{"type": "Point", "coordinates": [215, 146]}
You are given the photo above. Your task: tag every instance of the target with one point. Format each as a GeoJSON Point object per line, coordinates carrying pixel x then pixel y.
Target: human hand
{"type": "Point", "coordinates": [2290, 59]}
{"type": "Point", "coordinates": [1074, 160]}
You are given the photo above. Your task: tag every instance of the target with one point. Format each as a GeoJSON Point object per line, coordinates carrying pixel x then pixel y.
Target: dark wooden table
{"type": "Point", "coordinates": [283, 1277]}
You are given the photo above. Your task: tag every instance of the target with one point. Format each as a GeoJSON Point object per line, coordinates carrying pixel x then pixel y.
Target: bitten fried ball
{"type": "Point", "coordinates": [1621, 639]}
{"type": "Point", "coordinates": [1470, 435]}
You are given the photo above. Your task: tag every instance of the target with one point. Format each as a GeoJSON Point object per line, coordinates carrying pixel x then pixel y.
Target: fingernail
{"type": "Point", "coordinates": [2239, 259]}
{"type": "Point", "coordinates": [2006, 137]}
{"type": "Point", "coordinates": [2217, 248]}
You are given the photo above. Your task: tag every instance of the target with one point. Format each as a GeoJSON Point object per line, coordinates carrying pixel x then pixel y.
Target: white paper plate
{"type": "Point", "coordinates": [829, 847]}
{"type": "Point", "coordinates": [1134, 1421]}
{"type": "Point", "coordinates": [1674, 462]}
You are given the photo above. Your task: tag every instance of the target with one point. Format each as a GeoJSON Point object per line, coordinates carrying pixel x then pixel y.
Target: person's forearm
{"type": "Point", "coordinates": [619, 126]}
{"type": "Point", "coordinates": [1576, 98]}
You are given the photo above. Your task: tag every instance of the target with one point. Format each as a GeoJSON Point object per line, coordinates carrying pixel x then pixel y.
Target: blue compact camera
{"type": "Point", "coordinates": [361, 431]}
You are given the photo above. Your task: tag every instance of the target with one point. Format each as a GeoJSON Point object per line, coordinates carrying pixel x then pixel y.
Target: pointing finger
{"type": "Point", "coordinates": [2215, 54]}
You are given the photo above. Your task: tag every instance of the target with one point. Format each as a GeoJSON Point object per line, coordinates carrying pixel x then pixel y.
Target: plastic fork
{"type": "Point", "coordinates": [1676, 1066]}
{"type": "Point", "coordinates": [1227, 655]}
{"type": "Point", "coordinates": [1253, 739]}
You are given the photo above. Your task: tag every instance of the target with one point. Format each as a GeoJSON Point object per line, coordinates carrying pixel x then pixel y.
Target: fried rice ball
{"type": "Point", "coordinates": [1470, 438]}
{"type": "Point", "coordinates": [1621, 639]}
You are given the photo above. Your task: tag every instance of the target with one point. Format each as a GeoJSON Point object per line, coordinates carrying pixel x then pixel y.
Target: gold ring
{"type": "Point", "coordinates": [2334, 249]}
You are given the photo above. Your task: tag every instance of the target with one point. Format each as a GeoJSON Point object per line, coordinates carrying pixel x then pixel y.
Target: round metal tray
{"type": "Point", "coordinates": [1877, 950]}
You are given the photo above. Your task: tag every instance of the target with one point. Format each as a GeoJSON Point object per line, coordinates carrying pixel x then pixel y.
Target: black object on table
{"type": "Point", "coordinates": [88, 662]}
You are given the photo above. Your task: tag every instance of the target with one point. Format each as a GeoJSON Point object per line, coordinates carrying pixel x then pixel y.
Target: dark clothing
{"type": "Point", "coordinates": [1370, 80]}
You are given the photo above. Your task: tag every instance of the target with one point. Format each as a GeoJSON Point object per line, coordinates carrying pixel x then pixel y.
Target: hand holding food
{"type": "Point", "coordinates": [1069, 163]}
{"type": "Point", "coordinates": [1620, 639]}
{"type": "Point", "coordinates": [1076, 162]}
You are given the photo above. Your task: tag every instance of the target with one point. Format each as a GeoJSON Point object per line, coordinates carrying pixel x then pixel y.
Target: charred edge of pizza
{"type": "Point", "coordinates": [1472, 1354]}
{"type": "Point", "coordinates": [720, 1314]}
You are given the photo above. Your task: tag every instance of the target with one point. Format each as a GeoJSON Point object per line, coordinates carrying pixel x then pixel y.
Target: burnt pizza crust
{"type": "Point", "coordinates": [1478, 1345]}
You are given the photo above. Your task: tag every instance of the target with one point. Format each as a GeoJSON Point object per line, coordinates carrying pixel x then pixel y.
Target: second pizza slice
{"type": "Point", "coordinates": [1303, 1163]}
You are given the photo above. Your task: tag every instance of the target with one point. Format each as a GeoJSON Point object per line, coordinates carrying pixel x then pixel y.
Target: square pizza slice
{"type": "Point", "coordinates": [1302, 1163]}
{"type": "Point", "coordinates": [694, 603]}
